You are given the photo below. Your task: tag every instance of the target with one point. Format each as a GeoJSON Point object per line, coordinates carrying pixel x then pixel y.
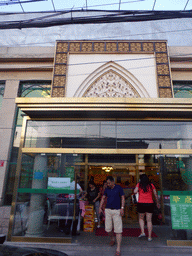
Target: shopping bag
{"type": "Point", "coordinates": [135, 198]}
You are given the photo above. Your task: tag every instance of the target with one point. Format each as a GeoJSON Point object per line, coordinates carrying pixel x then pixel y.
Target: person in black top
{"type": "Point", "coordinates": [93, 195]}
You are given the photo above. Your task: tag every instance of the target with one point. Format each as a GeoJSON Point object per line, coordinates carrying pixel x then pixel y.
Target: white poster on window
{"type": "Point", "coordinates": [56, 183]}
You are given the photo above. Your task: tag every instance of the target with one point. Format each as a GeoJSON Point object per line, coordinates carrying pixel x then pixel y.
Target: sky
{"type": "Point", "coordinates": [61, 5]}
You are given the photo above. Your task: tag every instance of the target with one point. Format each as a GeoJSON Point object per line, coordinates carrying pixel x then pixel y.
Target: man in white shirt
{"type": "Point", "coordinates": [72, 187]}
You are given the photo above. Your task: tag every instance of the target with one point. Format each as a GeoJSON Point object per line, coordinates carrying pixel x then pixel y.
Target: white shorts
{"type": "Point", "coordinates": [113, 217]}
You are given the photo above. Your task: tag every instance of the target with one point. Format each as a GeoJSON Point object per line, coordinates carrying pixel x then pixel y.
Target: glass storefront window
{"type": "Point", "coordinates": [26, 89]}
{"type": "Point", "coordinates": [47, 194]}
{"type": "Point", "coordinates": [109, 134]}
{"type": "Point", "coordinates": [182, 89]}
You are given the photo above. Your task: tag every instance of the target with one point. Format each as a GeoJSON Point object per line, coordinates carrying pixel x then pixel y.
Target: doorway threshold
{"type": "Point", "coordinates": [179, 242]}
{"type": "Point", "coordinates": [41, 239]}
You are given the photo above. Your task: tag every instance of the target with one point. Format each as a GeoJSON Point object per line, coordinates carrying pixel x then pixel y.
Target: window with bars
{"type": "Point", "coordinates": [35, 89]}
{"type": "Point", "coordinates": [182, 89]}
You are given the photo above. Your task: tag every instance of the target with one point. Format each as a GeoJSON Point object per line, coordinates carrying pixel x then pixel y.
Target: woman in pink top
{"type": "Point", "coordinates": [145, 204]}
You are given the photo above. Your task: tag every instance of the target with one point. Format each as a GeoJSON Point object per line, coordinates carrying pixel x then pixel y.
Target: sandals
{"type": "Point", "coordinates": [141, 235]}
{"type": "Point", "coordinates": [117, 254]}
{"type": "Point", "coordinates": [112, 242]}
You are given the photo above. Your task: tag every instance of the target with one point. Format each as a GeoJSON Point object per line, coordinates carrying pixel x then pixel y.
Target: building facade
{"type": "Point", "coordinates": [72, 111]}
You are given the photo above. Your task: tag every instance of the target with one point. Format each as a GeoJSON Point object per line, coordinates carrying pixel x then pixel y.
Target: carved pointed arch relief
{"type": "Point", "coordinates": [111, 80]}
{"type": "Point", "coordinates": [111, 84]}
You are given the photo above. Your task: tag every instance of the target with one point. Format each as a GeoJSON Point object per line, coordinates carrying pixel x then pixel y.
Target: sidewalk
{"type": "Point", "coordinates": [87, 244]}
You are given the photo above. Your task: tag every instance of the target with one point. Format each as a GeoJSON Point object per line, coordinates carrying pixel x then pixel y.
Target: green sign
{"type": "Point", "coordinates": [180, 164]}
{"type": "Point", "coordinates": [70, 173]}
{"type": "Point", "coordinates": [181, 211]}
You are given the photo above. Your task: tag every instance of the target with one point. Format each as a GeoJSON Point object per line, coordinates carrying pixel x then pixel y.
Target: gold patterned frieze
{"type": "Point", "coordinates": [99, 47]}
{"type": "Point", "coordinates": [161, 58]}
{"type": "Point", "coordinates": [61, 58]}
{"type": "Point", "coordinates": [164, 81]}
{"type": "Point", "coordinates": [111, 47]}
{"type": "Point", "coordinates": [59, 81]}
{"type": "Point", "coordinates": [162, 69]}
{"type": "Point", "coordinates": [123, 47]}
{"type": "Point", "coordinates": [135, 47]}
{"type": "Point", "coordinates": [160, 47]}
{"type": "Point", "coordinates": [60, 69]}
{"type": "Point", "coordinates": [62, 47]}
{"type": "Point", "coordinates": [75, 47]}
{"type": "Point", "coordinates": [148, 47]}
{"type": "Point", "coordinates": [165, 93]}
{"type": "Point", "coordinates": [86, 47]}
{"type": "Point", "coordinates": [58, 92]}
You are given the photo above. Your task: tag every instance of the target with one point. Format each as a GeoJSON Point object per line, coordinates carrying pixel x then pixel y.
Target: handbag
{"type": "Point", "coordinates": [135, 198]}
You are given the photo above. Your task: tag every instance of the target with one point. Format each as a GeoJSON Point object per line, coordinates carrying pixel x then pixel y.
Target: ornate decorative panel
{"type": "Point", "coordinates": [135, 47]}
{"type": "Point", "coordinates": [165, 93]}
{"type": "Point", "coordinates": [111, 47]}
{"type": "Point", "coordinates": [58, 92]}
{"type": "Point", "coordinates": [99, 47]}
{"type": "Point", "coordinates": [61, 58]}
{"type": "Point", "coordinates": [123, 47]}
{"type": "Point", "coordinates": [111, 85]}
{"type": "Point", "coordinates": [159, 48]}
{"type": "Point", "coordinates": [148, 47]}
{"type": "Point", "coordinates": [164, 81]}
{"type": "Point", "coordinates": [87, 47]}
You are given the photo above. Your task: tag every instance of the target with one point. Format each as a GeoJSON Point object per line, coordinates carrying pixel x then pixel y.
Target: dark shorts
{"type": "Point", "coordinates": [142, 208]}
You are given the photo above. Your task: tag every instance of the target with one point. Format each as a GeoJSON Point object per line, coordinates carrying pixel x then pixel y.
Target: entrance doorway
{"type": "Point", "coordinates": [127, 176]}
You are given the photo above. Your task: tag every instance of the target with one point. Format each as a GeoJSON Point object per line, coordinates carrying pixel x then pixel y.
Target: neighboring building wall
{"type": "Point", "coordinates": [7, 117]}
{"type": "Point", "coordinates": [176, 31]}
{"type": "Point", "coordinates": [7, 121]}
{"type": "Point", "coordinates": [33, 63]}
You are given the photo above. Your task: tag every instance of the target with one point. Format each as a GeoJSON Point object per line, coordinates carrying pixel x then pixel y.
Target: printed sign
{"type": "Point", "coordinates": [56, 183]}
{"type": "Point", "coordinates": [38, 175]}
{"type": "Point", "coordinates": [1, 163]}
{"type": "Point", "coordinates": [181, 211]}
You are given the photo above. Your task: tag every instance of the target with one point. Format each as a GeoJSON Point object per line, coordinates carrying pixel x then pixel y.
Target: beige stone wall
{"type": "Point", "coordinates": [16, 64]}
{"type": "Point", "coordinates": [7, 117]}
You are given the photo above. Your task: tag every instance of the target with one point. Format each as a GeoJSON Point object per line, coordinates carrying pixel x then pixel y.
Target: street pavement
{"type": "Point", "coordinates": [105, 250]}
{"type": "Point", "coordinates": [87, 244]}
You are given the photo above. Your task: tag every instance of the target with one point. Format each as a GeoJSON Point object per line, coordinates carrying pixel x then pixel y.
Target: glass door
{"type": "Point", "coordinates": [125, 175]}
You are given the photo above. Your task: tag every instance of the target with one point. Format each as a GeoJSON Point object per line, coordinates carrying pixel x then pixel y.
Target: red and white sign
{"type": "Point", "coordinates": [1, 163]}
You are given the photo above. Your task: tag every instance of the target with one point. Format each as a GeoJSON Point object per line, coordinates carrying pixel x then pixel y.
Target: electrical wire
{"type": "Point", "coordinates": [53, 5]}
{"type": "Point", "coordinates": [186, 5]}
{"type": "Point", "coordinates": [154, 5]}
{"type": "Point", "coordinates": [107, 17]}
{"type": "Point", "coordinates": [21, 5]}
{"type": "Point", "coordinates": [5, 3]}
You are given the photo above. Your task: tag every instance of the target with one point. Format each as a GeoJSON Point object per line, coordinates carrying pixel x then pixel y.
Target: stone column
{"type": "Point", "coordinates": [37, 202]}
